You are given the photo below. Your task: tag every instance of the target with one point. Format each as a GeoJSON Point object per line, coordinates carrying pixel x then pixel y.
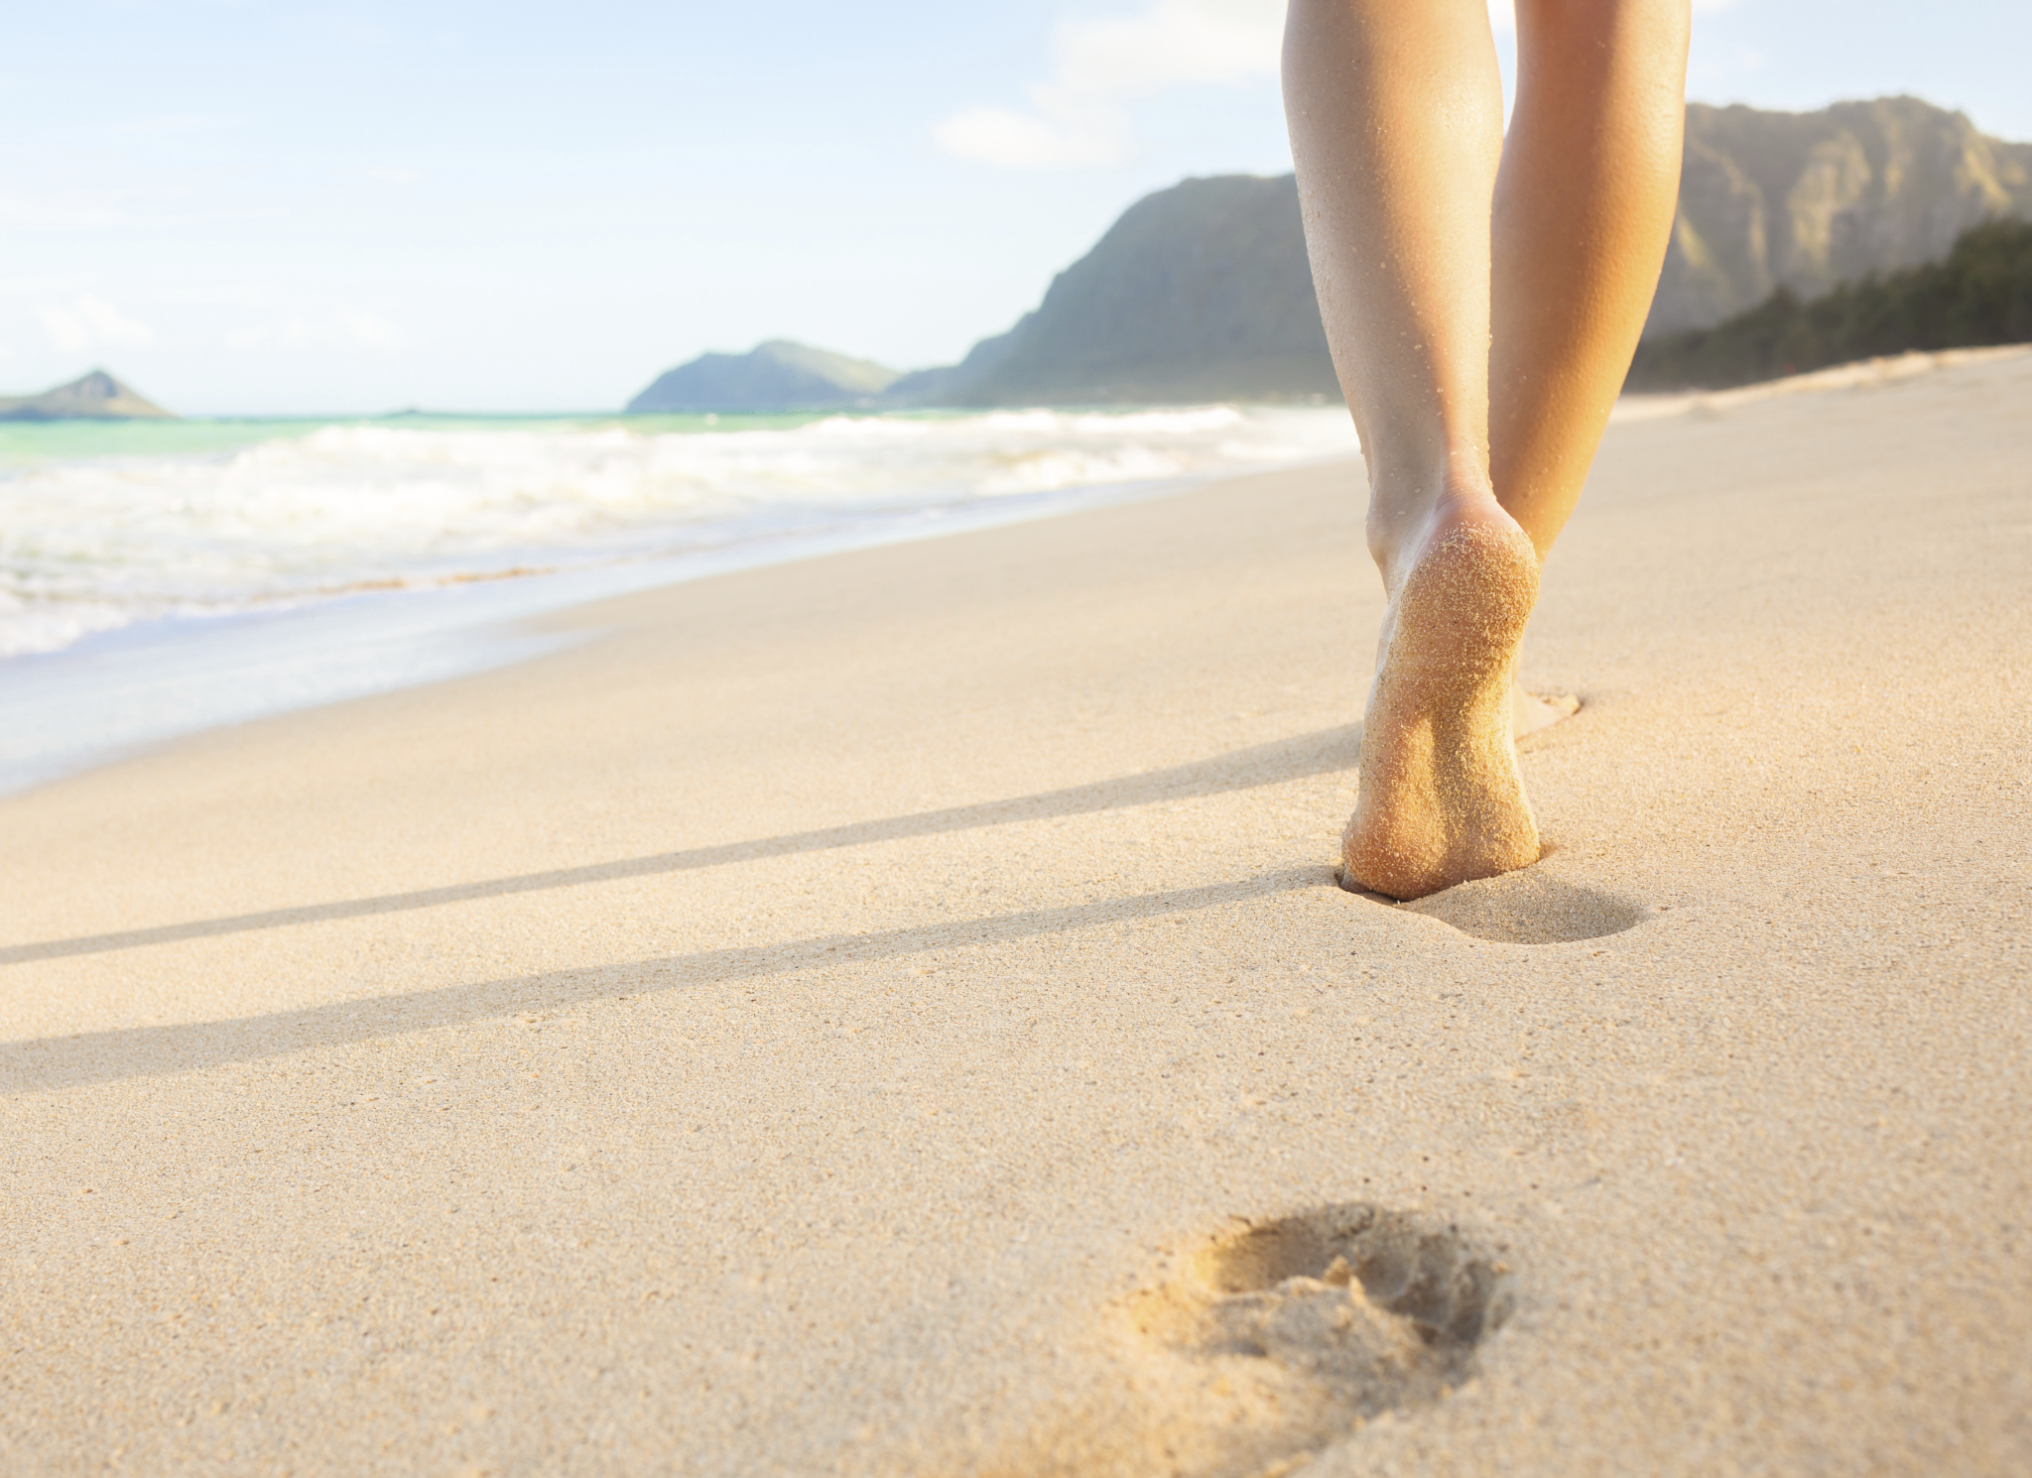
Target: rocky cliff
{"type": "Point", "coordinates": [1805, 201]}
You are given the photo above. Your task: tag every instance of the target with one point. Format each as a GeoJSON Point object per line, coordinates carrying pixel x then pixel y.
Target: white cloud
{"type": "Point", "coordinates": [1080, 118]}
{"type": "Point", "coordinates": [132, 211]}
{"type": "Point", "coordinates": [322, 331]}
{"type": "Point", "coordinates": [1174, 43]}
{"type": "Point", "coordinates": [1061, 133]}
{"type": "Point", "coordinates": [91, 323]}
{"type": "Point", "coordinates": [396, 176]}
{"type": "Point", "coordinates": [64, 212]}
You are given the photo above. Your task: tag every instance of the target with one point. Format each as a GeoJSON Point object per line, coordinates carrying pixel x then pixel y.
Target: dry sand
{"type": "Point", "coordinates": [893, 1014]}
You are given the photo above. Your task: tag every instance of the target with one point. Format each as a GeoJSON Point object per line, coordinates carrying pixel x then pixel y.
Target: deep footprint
{"type": "Point", "coordinates": [1283, 1336]}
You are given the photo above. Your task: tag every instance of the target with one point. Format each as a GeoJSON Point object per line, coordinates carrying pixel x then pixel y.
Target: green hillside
{"type": "Point", "coordinates": [1981, 294]}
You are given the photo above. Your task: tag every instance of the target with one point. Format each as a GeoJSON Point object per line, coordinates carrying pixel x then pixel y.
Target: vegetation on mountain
{"type": "Point", "coordinates": [1981, 294]}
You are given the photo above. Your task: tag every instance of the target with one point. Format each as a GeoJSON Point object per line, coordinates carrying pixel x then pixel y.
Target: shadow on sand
{"type": "Point", "coordinates": [1322, 752]}
{"type": "Point", "coordinates": [52, 1063]}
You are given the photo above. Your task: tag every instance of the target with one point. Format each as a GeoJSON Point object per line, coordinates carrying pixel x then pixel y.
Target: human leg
{"type": "Point", "coordinates": [1396, 127]}
{"type": "Point", "coordinates": [1392, 110]}
{"type": "Point", "coordinates": [1583, 209]}
{"type": "Point", "coordinates": [1396, 118]}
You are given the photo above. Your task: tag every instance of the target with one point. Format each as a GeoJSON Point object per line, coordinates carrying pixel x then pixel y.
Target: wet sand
{"type": "Point", "coordinates": [894, 1014]}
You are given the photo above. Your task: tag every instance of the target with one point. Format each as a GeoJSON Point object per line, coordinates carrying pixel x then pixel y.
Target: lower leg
{"type": "Point", "coordinates": [1396, 118]}
{"type": "Point", "coordinates": [1396, 127]}
{"type": "Point", "coordinates": [1583, 209]}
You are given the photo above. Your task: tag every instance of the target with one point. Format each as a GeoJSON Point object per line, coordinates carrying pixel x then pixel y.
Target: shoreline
{"type": "Point", "coordinates": [118, 694]}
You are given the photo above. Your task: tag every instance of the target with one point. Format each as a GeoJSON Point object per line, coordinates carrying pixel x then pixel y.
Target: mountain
{"type": "Point", "coordinates": [1803, 201]}
{"type": "Point", "coordinates": [1202, 291]}
{"type": "Point", "coordinates": [776, 376]}
{"type": "Point", "coordinates": [95, 397]}
{"type": "Point", "coordinates": [1198, 292]}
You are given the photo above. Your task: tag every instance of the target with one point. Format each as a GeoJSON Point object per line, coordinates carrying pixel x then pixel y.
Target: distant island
{"type": "Point", "coordinates": [94, 397]}
{"type": "Point", "coordinates": [775, 376]}
{"type": "Point", "coordinates": [1203, 292]}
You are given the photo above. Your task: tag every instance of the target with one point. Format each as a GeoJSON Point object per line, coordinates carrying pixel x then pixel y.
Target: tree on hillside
{"type": "Point", "coordinates": [1981, 294]}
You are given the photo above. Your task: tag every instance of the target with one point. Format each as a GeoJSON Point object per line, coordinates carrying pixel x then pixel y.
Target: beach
{"type": "Point", "coordinates": [873, 1014]}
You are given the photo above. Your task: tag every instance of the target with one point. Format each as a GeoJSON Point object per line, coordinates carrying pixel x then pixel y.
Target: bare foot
{"type": "Point", "coordinates": [1441, 801]}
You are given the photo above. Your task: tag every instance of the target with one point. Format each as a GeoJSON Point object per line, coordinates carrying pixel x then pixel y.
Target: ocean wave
{"type": "Point", "coordinates": [89, 544]}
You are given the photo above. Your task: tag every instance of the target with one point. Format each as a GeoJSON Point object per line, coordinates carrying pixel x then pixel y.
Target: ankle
{"type": "Point", "coordinates": [1402, 519]}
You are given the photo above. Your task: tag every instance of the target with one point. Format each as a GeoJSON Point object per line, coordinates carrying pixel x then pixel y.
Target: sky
{"type": "Point", "coordinates": [266, 207]}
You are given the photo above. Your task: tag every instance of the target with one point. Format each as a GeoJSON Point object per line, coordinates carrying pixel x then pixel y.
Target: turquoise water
{"type": "Point", "coordinates": [25, 443]}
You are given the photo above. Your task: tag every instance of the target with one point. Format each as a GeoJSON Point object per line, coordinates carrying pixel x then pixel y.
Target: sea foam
{"type": "Point", "coordinates": [90, 543]}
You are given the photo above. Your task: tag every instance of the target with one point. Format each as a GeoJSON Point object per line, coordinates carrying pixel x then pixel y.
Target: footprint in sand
{"type": "Point", "coordinates": [1255, 1349]}
{"type": "Point", "coordinates": [1529, 906]}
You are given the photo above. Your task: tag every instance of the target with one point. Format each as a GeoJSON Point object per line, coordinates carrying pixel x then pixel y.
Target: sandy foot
{"type": "Point", "coordinates": [1441, 801]}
